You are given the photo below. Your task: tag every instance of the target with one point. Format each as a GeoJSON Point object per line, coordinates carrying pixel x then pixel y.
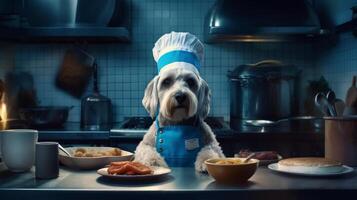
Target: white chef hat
{"type": "Point", "coordinates": [178, 47]}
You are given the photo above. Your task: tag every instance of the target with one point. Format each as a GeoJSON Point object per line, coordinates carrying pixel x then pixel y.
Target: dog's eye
{"type": "Point", "coordinates": [166, 82]}
{"type": "Point", "coordinates": [191, 82]}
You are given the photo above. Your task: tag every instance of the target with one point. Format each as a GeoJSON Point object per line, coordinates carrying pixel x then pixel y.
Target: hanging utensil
{"type": "Point", "coordinates": [331, 98]}
{"type": "Point", "coordinates": [351, 99]}
{"type": "Point", "coordinates": [322, 103]}
{"type": "Point", "coordinates": [340, 107]}
{"type": "Point", "coordinates": [96, 109]}
{"type": "Point", "coordinates": [75, 72]}
{"type": "Point", "coordinates": [20, 92]}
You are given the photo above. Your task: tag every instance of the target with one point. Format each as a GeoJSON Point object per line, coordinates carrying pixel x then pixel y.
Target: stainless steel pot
{"type": "Point", "coordinates": [267, 90]}
{"type": "Point", "coordinates": [68, 13]}
{"type": "Point", "coordinates": [94, 12]}
{"type": "Point", "coordinates": [50, 13]}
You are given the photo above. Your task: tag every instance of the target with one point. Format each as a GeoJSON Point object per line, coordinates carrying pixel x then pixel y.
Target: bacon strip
{"type": "Point", "coordinates": [120, 163]}
{"type": "Point", "coordinates": [128, 168]}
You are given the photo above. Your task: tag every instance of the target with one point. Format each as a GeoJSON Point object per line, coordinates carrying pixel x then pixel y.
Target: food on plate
{"type": "Point", "coordinates": [310, 165]}
{"type": "Point", "coordinates": [229, 162]}
{"type": "Point", "coordinates": [260, 155]}
{"type": "Point", "coordinates": [83, 152]}
{"type": "Point", "coordinates": [128, 168]}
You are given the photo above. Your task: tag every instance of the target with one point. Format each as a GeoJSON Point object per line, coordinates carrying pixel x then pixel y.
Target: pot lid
{"type": "Point", "coordinates": [264, 69]}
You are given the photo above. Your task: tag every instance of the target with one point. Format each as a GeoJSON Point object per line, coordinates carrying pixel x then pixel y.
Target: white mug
{"type": "Point", "coordinates": [18, 149]}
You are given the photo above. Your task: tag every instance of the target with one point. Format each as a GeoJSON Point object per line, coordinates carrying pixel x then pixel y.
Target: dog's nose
{"type": "Point", "coordinates": [180, 97]}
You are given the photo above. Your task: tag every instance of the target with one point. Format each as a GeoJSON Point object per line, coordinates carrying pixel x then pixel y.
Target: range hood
{"type": "Point", "coordinates": [261, 21]}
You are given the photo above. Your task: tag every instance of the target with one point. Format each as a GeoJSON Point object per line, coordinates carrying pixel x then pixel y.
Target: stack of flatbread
{"type": "Point", "coordinates": [310, 165]}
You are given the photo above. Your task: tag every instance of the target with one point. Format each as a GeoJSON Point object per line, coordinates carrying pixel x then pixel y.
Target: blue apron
{"type": "Point", "coordinates": [179, 144]}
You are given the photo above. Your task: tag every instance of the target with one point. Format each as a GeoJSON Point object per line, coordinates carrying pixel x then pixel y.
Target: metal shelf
{"type": "Point", "coordinates": [348, 26]}
{"type": "Point", "coordinates": [66, 34]}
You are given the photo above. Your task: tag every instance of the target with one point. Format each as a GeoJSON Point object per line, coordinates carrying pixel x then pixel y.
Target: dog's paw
{"type": "Point", "coordinates": [200, 166]}
{"type": "Point", "coordinates": [205, 154]}
{"type": "Point", "coordinates": [152, 161]}
{"type": "Point", "coordinates": [158, 161]}
{"type": "Point", "coordinates": [148, 156]}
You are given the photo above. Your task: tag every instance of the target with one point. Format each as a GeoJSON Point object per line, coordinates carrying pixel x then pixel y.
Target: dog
{"type": "Point", "coordinates": [178, 95]}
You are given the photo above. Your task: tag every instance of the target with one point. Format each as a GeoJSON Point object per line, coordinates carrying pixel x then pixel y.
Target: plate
{"type": "Point", "coordinates": [345, 170]}
{"type": "Point", "coordinates": [265, 162]}
{"type": "Point", "coordinates": [158, 173]}
{"type": "Point", "coordinates": [91, 162]}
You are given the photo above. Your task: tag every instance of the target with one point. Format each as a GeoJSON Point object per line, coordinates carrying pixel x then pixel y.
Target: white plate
{"type": "Point", "coordinates": [345, 170]}
{"type": "Point", "coordinates": [158, 173]}
{"type": "Point", "coordinates": [91, 162]}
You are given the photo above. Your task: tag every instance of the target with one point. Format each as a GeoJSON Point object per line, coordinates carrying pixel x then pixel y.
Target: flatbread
{"type": "Point", "coordinates": [310, 165]}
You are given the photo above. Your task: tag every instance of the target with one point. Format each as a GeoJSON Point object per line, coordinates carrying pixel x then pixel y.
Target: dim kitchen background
{"type": "Point", "coordinates": [126, 68]}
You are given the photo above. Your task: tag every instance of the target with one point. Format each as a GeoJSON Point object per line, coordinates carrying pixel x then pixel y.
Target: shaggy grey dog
{"type": "Point", "coordinates": [178, 95]}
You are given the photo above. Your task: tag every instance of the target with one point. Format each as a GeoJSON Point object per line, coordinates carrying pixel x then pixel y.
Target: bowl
{"type": "Point", "coordinates": [88, 163]}
{"type": "Point", "coordinates": [231, 173]}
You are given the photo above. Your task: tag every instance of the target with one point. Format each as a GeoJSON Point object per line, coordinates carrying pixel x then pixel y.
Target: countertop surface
{"type": "Point", "coordinates": [182, 183]}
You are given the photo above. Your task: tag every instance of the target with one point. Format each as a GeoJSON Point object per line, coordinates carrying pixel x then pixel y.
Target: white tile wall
{"type": "Point", "coordinates": [125, 69]}
{"type": "Point", "coordinates": [338, 63]}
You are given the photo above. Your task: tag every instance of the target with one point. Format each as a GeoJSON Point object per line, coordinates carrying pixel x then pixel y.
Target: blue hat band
{"type": "Point", "coordinates": [178, 56]}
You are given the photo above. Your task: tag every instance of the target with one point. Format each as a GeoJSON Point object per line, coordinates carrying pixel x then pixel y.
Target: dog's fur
{"type": "Point", "coordinates": [160, 94]}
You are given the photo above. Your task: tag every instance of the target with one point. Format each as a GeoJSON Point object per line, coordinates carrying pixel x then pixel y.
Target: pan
{"type": "Point", "coordinates": [297, 123]}
{"type": "Point", "coordinates": [45, 116]}
{"type": "Point", "coordinates": [75, 72]}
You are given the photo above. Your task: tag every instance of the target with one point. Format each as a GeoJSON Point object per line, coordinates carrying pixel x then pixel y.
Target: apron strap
{"type": "Point", "coordinates": [195, 122]}
{"type": "Point", "coordinates": [157, 124]}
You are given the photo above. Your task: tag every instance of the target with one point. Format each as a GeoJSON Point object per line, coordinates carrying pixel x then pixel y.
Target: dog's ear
{"type": "Point", "coordinates": [204, 99]}
{"type": "Point", "coordinates": [151, 99]}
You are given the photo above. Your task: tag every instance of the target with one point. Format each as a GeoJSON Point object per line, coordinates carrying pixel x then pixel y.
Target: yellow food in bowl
{"type": "Point", "coordinates": [231, 170]}
{"type": "Point", "coordinates": [229, 162]}
{"type": "Point", "coordinates": [82, 152]}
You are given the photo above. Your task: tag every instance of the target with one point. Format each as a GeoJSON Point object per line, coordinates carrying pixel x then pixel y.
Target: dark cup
{"type": "Point", "coordinates": [47, 160]}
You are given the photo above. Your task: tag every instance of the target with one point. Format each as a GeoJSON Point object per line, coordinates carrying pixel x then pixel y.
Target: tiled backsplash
{"type": "Point", "coordinates": [337, 60]}
{"type": "Point", "coordinates": [125, 69]}
{"type": "Point", "coordinates": [338, 63]}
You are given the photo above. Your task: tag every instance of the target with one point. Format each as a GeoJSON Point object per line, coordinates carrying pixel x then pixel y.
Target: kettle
{"type": "Point", "coordinates": [96, 109]}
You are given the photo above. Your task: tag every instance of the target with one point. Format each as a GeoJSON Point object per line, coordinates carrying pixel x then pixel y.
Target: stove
{"type": "Point", "coordinates": [134, 126]}
{"type": "Point", "coordinates": [136, 123]}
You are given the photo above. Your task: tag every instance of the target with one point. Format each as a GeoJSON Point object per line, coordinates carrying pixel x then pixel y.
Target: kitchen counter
{"type": "Point", "coordinates": [183, 183]}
